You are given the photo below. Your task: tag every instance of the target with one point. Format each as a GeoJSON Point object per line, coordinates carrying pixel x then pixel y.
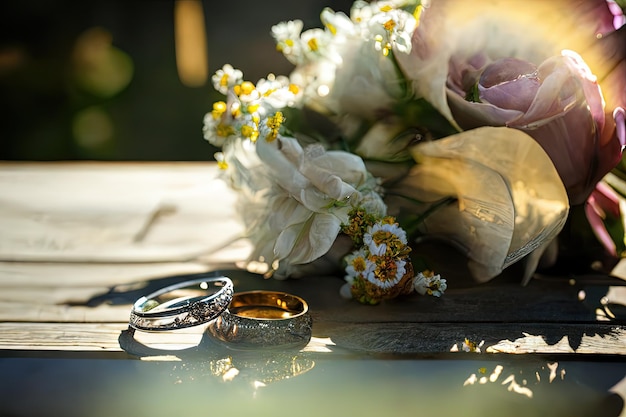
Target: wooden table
{"type": "Point", "coordinates": [80, 242]}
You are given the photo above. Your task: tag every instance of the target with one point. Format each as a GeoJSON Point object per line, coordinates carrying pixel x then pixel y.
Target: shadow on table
{"type": "Point", "coordinates": [131, 292]}
{"type": "Point", "coordinates": [361, 352]}
{"type": "Point", "coordinates": [580, 386]}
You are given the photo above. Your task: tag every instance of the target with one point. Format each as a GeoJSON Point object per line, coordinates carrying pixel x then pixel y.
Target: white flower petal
{"type": "Point", "coordinates": [507, 206]}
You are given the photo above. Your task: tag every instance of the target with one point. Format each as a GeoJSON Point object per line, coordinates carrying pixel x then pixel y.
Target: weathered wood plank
{"type": "Point", "coordinates": [32, 275]}
{"type": "Point", "coordinates": [105, 292]}
{"type": "Point", "coordinates": [58, 292]}
{"type": "Point", "coordinates": [341, 338]}
{"type": "Point", "coordinates": [496, 337]}
{"type": "Point", "coordinates": [50, 313]}
{"type": "Point", "coordinates": [60, 336]}
{"type": "Point", "coordinates": [90, 317]}
{"type": "Point", "coordinates": [113, 212]}
{"type": "Point", "coordinates": [613, 342]}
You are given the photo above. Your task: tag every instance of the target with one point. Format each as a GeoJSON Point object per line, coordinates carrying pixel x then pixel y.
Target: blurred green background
{"type": "Point", "coordinates": [98, 79]}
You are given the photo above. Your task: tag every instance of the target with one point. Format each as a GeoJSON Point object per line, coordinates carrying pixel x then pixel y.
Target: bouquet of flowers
{"type": "Point", "coordinates": [477, 123]}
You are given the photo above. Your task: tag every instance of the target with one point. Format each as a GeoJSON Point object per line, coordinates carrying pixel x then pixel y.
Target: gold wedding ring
{"type": "Point", "coordinates": [263, 319]}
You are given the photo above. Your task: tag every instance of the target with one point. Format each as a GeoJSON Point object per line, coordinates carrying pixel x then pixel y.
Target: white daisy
{"type": "Point", "coordinates": [392, 29]}
{"type": "Point", "coordinates": [278, 92]}
{"type": "Point", "coordinates": [387, 274]}
{"type": "Point", "coordinates": [382, 238]}
{"type": "Point", "coordinates": [226, 78]}
{"type": "Point", "coordinates": [358, 264]}
{"type": "Point", "coordinates": [430, 284]}
{"type": "Point", "coordinates": [287, 37]}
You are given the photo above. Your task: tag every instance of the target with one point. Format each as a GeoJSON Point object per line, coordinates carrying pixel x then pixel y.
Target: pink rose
{"type": "Point", "coordinates": [555, 70]}
{"type": "Point", "coordinates": [558, 103]}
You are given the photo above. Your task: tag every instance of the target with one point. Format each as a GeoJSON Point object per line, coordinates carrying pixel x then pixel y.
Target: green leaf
{"type": "Point", "coordinates": [473, 95]}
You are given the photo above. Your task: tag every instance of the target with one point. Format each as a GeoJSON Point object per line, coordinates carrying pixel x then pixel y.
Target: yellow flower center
{"type": "Point", "coordinates": [294, 89]}
{"type": "Point", "coordinates": [359, 264]}
{"type": "Point", "coordinates": [273, 123]}
{"type": "Point", "coordinates": [219, 107]}
{"type": "Point", "coordinates": [381, 45]}
{"type": "Point", "coordinates": [224, 130]}
{"type": "Point", "coordinates": [245, 88]}
{"type": "Point", "coordinates": [417, 14]}
{"type": "Point", "coordinates": [471, 345]}
{"type": "Point", "coordinates": [386, 269]}
{"type": "Point", "coordinates": [313, 44]}
{"type": "Point", "coordinates": [247, 131]}
{"type": "Point", "coordinates": [382, 236]}
{"type": "Point", "coordinates": [389, 25]}
{"type": "Point", "coordinates": [221, 161]}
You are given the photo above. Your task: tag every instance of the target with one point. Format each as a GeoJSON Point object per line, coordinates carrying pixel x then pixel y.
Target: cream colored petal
{"type": "Point", "coordinates": [278, 156]}
{"type": "Point", "coordinates": [286, 211]}
{"type": "Point", "coordinates": [510, 197]}
{"type": "Point", "coordinates": [314, 200]}
{"type": "Point", "coordinates": [303, 243]}
{"type": "Point", "coordinates": [332, 172]}
{"type": "Point", "coordinates": [348, 166]}
{"type": "Point", "coordinates": [481, 224]}
{"type": "Point", "coordinates": [289, 238]}
{"type": "Point", "coordinates": [386, 140]}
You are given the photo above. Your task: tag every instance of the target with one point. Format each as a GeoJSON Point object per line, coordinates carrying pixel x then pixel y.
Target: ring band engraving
{"type": "Point", "coordinates": [263, 319]}
{"type": "Point", "coordinates": [181, 305]}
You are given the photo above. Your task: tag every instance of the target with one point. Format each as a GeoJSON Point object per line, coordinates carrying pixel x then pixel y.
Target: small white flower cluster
{"type": "Point", "coordinates": [381, 268]}
{"type": "Point", "coordinates": [430, 284]}
{"type": "Point", "coordinates": [293, 198]}
{"type": "Point", "coordinates": [334, 64]}
{"type": "Point", "coordinates": [393, 234]}
{"type": "Point", "coordinates": [250, 111]}
{"type": "Point", "coordinates": [385, 24]}
{"type": "Point", "coordinates": [376, 261]}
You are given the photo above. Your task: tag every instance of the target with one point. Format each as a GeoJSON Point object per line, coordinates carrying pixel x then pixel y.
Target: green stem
{"type": "Point", "coordinates": [410, 227]}
{"type": "Point", "coordinates": [406, 197]}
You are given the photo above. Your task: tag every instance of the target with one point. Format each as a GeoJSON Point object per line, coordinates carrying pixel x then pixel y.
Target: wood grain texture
{"type": "Point", "coordinates": [113, 212]}
{"type": "Point", "coordinates": [342, 338]}
{"type": "Point", "coordinates": [80, 242]}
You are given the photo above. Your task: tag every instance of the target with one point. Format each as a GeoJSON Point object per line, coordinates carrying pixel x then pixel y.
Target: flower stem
{"type": "Point", "coordinates": [411, 226]}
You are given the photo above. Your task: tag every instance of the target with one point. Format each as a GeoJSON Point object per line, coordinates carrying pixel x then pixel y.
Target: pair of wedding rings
{"type": "Point", "coordinates": [248, 320]}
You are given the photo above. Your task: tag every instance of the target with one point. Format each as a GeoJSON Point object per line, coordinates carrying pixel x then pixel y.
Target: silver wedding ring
{"type": "Point", "coordinates": [182, 305]}
{"type": "Point", "coordinates": [263, 319]}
